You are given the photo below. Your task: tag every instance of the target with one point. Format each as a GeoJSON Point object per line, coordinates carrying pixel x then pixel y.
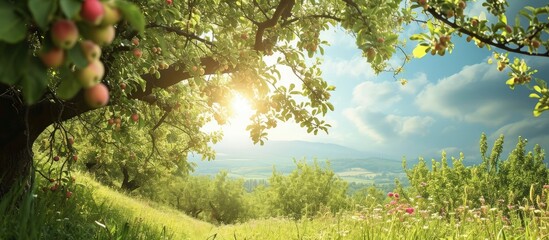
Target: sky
{"type": "Point", "coordinates": [446, 105]}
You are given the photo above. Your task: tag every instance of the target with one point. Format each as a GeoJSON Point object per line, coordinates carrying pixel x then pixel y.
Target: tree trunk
{"type": "Point", "coordinates": [15, 145]}
{"type": "Point", "coordinates": [15, 165]}
{"type": "Point", "coordinates": [127, 184]}
{"type": "Point", "coordinates": [20, 126]}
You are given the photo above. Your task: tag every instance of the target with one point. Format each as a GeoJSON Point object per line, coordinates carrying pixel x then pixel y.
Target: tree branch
{"type": "Point", "coordinates": [484, 39]}
{"type": "Point", "coordinates": [179, 32]}
{"type": "Point", "coordinates": [283, 8]}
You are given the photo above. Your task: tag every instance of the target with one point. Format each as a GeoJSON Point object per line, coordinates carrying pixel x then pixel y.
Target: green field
{"type": "Point", "coordinates": [118, 216]}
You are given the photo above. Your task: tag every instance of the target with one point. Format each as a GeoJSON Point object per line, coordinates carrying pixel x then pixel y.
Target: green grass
{"type": "Point", "coordinates": [98, 212]}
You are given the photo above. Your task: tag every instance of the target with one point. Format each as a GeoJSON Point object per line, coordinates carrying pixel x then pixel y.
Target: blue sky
{"type": "Point", "coordinates": [448, 102]}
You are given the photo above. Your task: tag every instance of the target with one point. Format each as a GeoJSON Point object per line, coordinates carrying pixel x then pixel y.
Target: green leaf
{"type": "Point", "coordinates": [76, 56]}
{"type": "Point", "coordinates": [503, 18]}
{"type": "Point", "coordinates": [420, 51]}
{"type": "Point", "coordinates": [34, 82]}
{"type": "Point", "coordinates": [12, 25]}
{"type": "Point", "coordinates": [537, 88]}
{"type": "Point", "coordinates": [42, 11]}
{"type": "Point", "coordinates": [70, 7]}
{"type": "Point", "coordinates": [132, 14]}
{"type": "Point", "coordinates": [534, 95]}
{"type": "Point", "coordinates": [69, 86]}
{"type": "Point", "coordinates": [418, 36]}
{"type": "Point", "coordinates": [12, 62]}
{"type": "Point", "coordinates": [511, 82]}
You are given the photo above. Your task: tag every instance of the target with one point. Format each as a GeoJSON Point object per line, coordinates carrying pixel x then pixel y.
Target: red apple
{"type": "Point", "coordinates": [92, 11]}
{"type": "Point", "coordinates": [137, 53]}
{"type": "Point", "coordinates": [135, 117]}
{"type": "Point", "coordinates": [535, 43]}
{"type": "Point", "coordinates": [53, 58]}
{"type": "Point", "coordinates": [64, 33]}
{"type": "Point", "coordinates": [135, 41]}
{"type": "Point", "coordinates": [97, 96]}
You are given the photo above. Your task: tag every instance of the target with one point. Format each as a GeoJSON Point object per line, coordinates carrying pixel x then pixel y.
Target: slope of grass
{"type": "Point", "coordinates": [98, 212]}
{"type": "Point", "coordinates": [175, 223]}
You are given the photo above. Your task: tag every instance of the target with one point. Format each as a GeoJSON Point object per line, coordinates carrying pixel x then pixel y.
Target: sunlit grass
{"type": "Point", "coordinates": [149, 213]}
{"type": "Point", "coordinates": [98, 212]}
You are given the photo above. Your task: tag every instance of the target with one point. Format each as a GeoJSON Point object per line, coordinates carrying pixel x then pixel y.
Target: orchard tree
{"type": "Point", "coordinates": [68, 60]}
{"type": "Point", "coordinates": [64, 58]}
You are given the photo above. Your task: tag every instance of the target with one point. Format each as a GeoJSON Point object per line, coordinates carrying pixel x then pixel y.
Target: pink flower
{"type": "Point", "coordinates": [546, 186]}
{"type": "Point", "coordinates": [390, 194]}
{"type": "Point", "coordinates": [393, 202]}
{"type": "Point", "coordinates": [409, 210]}
{"type": "Point", "coordinates": [396, 195]}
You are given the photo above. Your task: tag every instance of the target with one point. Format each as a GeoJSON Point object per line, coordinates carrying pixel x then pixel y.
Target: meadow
{"type": "Point", "coordinates": [98, 212]}
{"type": "Point", "coordinates": [495, 199]}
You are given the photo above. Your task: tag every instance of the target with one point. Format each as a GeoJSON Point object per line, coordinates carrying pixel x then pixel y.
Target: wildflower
{"type": "Point", "coordinates": [546, 186]}
{"type": "Point", "coordinates": [393, 202]}
{"type": "Point", "coordinates": [396, 195]}
{"type": "Point", "coordinates": [390, 194]}
{"type": "Point", "coordinates": [506, 220]}
{"type": "Point", "coordinates": [409, 210]}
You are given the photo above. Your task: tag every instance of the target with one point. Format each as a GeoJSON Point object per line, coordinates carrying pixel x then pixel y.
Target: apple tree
{"type": "Point", "coordinates": [90, 61]}
{"type": "Point", "coordinates": [177, 64]}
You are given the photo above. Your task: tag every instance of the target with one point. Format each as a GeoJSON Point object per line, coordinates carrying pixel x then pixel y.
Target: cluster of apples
{"type": "Point", "coordinates": [440, 45]}
{"type": "Point", "coordinates": [96, 29]}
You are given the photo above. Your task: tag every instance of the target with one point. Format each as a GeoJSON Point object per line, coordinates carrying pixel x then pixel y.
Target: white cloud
{"type": "Point", "coordinates": [376, 95]}
{"type": "Point", "coordinates": [476, 94]}
{"type": "Point", "coordinates": [529, 127]}
{"type": "Point", "coordinates": [475, 8]}
{"type": "Point", "coordinates": [376, 113]}
{"type": "Point", "coordinates": [338, 36]}
{"type": "Point", "coordinates": [381, 127]}
{"type": "Point", "coordinates": [354, 67]}
{"type": "Point", "coordinates": [367, 123]}
{"type": "Point", "coordinates": [409, 125]}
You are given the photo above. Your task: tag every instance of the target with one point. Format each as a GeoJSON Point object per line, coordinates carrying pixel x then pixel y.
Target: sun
{"type": "Point", "coordinates": [242, 110]}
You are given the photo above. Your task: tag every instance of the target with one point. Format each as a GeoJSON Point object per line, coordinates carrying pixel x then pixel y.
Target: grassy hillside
{"type": "Point", "coordinates": [97, 212]}
{"type": "Point", "coordinates": [149, 213]}
{"type": "Point", "coordinates": [375, 222]}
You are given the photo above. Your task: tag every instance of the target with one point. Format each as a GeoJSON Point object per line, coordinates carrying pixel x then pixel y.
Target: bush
{"type": "Point", "coordinates": [492, 182]}
{"type": "Point", "coordinates": [306, 190]}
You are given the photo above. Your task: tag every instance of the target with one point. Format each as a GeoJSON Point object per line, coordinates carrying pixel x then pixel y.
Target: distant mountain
{"type": "Point", "coordinates": [252, 161]}
{"type": "Point", "coordinates": [276, 150]}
